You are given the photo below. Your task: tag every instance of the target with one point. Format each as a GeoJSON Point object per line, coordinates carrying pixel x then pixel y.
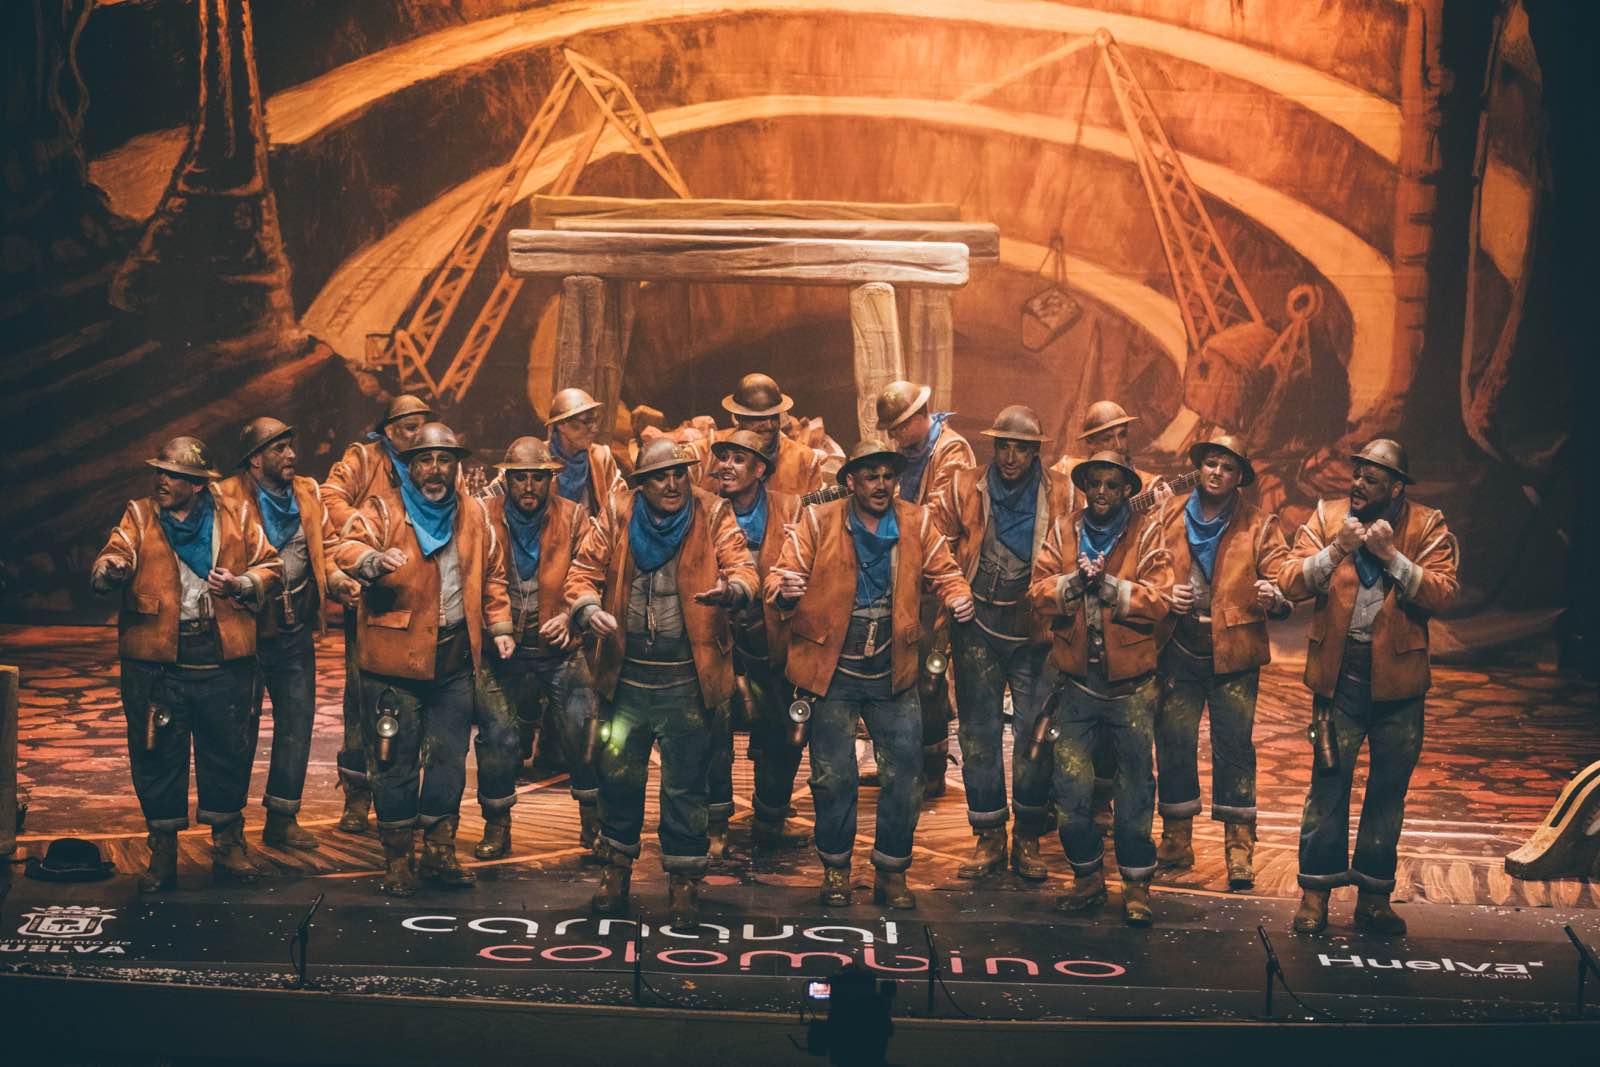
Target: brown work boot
{"type": "Point", "coordinates": [612, 897]}
{"type": "Point", "coordinates": [1136, 904]}
{"type": "Point", "coordinates": [357, 803]}
{"type": "Point", "coordinates": [163, 872]}
{"type": "Point", "coordinates": [496, 835]}
{"type": "Point", "coordinates": [283, 830]}
{"type": "Point", "coordinates": [988, 855]}
{"type": "Point", "coordinates": [1175, 852]}
{"type": "Point", "coordinates": [230, 858]}
{"type": "Point", "coordinates": [438, 862]}
{"type": "Point", "coordinates": [1088, 891]}
{"type": "Point", "coordinates": [717, 831]}
{"type": "Point", "coordinates": [1239, 845]}
{"type": "Point", "coordinates": [399, 879]}
{"type": "Point", "coordinates": [835, 887]}
{"type": "Point", "coordinates": [777, 834]}
{"type": "Point", "coordinates": [1376, 915]}
{"type": "Point", "coordinates": [683, 901]}
{"type": "Point", "coordinates": [1025, 858]}
{"type": "Point", "coordinates": [890, 888]}
{"type": "Point", "coordinates": [1312, 915]}
{"type": "Point", "coordinates": [589, 833]}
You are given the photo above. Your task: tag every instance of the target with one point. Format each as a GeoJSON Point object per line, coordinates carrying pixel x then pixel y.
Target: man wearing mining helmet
{"type": "Point", "coordinates": [657, 575]}
{"type": "Point", "coordinates": [1102, 579]}
{"type": "Point", "coordinates": [1379, 566]}
{"type": "Point", "coordinates": [193, 568]}
{"type": "Point", "coordinates": [289, 509]}
{"type": "Point", "coordinates": [933, 452]}
{"type": "Point", "coordinates": [848, 585]}
{"type": "Point", "coordinates": [763, 515]}
{"type": "Point", "coordinates": [434, 587]}
{"type": "Point", "coordinates": [537, 529]}
{"type": "Point", "coordinates": [1226, 554]}
{"type": "Point", "coordinates": [758, 406]}
{"type": "Point", "coordinates": [588, 474]}
{"type": "Point", "coordinates": [366, 468]}
{"type": "Point", "coordinates": [995, 518]}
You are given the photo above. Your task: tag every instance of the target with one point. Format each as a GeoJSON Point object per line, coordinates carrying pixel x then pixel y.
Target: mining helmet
{"type": "Point", "coordinates": [436, 437]}
{"type": "Point", "coordinates": [258, 434]}
{"type": "Point", "coordinates": [1230, 444]}
{"type": "Point", "coordinates": [1103, 415]}
{"type": "Point", "coordinates": [1389, 454]}
{"type": "Point", "coordinates": [870, 451]}
{"type": "Point", "coordinates": [402, 406]}
{"type": "Point", "coordinates": [1080, 472]}
{"type": "Point", "coordinates": [661, 454]}
{"type": "Point", "coordinates": [1016, 423]}
{"type": "Point", "coordinates": [185, 456]}
{"type": "Point", "coordinates": [757, 396]}
{"type": "Point", "coordinates": [899, 401]}
{"type": "Point", "coordinates": [529, 454]}
{"type": "Point", "coordinates": [743, 441]}
{"type": "Point", "coordinates": [569, 403]}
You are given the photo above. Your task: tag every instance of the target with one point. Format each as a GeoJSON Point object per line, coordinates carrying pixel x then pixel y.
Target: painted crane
{"type": "Point", "coordinates": [412, 346]}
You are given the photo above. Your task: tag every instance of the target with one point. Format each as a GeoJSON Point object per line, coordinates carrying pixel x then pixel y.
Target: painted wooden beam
{"type": "Point", "coordinates": [981, 238]}
{"type": "Point", "coordinates": [548, 208]}
{"type": "Point", "coordinates": [785, 261]}
{"type": "Point", "coordinates": [879, 358]}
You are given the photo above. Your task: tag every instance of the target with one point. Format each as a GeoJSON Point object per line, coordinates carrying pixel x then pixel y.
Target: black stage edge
{"type": "Point", "coordinates": [518, 964]}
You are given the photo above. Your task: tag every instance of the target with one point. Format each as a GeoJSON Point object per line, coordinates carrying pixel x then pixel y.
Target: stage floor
{"type": "Point", "coordinates": [1501, 744]}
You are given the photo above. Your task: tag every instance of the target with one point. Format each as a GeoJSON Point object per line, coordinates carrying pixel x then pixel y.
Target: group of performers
{"type": "Point", "coordinates": [620, 614]}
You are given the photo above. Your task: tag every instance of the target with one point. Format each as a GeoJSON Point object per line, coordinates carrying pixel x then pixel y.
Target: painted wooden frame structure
{"type": "Point", "coordinates": [601, 247]}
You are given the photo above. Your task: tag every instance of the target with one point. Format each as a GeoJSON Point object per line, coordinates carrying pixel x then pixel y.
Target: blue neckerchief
{"type": "Point", "coordinates": [1370, 568]}
{"type": "Point", "coordinates": [1014, 509]}
{"type": "Point", "coordinates": [526, 534]}
{"type": "Point", "coordinates": [874, 551]}
{"type": "Point", "coordinates": [402, 471]}
{"type": "Point", "coordinates": [1096, 542]}
{"type": "Point", "coordinates": [434, 523]}
{"type": "Point", "coordinates": [917, 465]}
{"type": "Point", "coordinates": [280, 514]}
{"type": "Point", "coordinates": [754, 521]}
{"type": "Point", "coordinates": [191, 538]}
{"type": "Point", "coordinates": [655, 537]}
{"type": "Point", "coordinates": [572, 479]}
{"type": "Point", "coordinates": [1205, 537]}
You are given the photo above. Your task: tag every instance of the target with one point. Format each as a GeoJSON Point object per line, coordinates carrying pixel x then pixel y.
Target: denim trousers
{"type": "Point", "coordinates": [895, 726]}
{"type": "Point", "coordinates": [677, 719]}
{"type": "Point", "coordinates": [1129, 723]}
{"type": "Point", "coordinates": [983, 669]}
{"type": "Point", "coordinates": [513, 692]}
{"type": "Point", "coordinates": [288, 664]}
{"type": "Point", "coordinates": [1392, 730]}
{"type": "Point", "coordinates": [1188, 688]}
{"type": "Point", "coordinates": [215, 707]}
{"type": "Point", "coordinates": [426, 773]}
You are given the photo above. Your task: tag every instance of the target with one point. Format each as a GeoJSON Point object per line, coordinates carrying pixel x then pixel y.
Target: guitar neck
{"type": "Point", "coordinates": [1143, 502]}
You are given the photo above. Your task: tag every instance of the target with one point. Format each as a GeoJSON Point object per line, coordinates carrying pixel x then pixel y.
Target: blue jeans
{"type": "Point", "coordinates": [215, 707]}
{"type": "Point", "coordinates": [895, 725]}
{"type": "Point", "coordinates": [288, 664]}
{"type": "Point", "coordinates": [677, 718]}
{"type": "Point", "coordinates": [983, 669]}
{"type": "Point", "coordinates": [775, 759]}
{"type": "Point", "coordinates": [1392, 730]}
{"type": "Point", "coordinates": [352, 759]}
{"type": "Point", "coordinates": [1188, 687]}
{"type": "Point", "coordinates": [427, 770]}
{"type": "Point", "coordinates": [512, 690]}
{"type": "Point", "coordinates": [1129, 722]}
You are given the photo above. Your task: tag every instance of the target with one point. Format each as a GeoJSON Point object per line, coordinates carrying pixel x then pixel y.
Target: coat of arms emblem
{"type": "Point", "coordinates": [65, 921]}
